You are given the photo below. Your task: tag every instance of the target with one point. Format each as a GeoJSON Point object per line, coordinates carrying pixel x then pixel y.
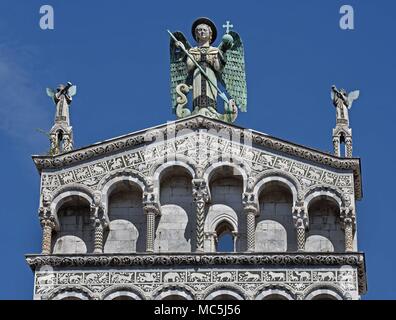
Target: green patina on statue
{"type": "Point", "coordinates": [204, 69]}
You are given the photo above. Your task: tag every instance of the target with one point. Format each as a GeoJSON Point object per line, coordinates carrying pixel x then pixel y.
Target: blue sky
{"type": "Point", "coordinates": [117, 53]}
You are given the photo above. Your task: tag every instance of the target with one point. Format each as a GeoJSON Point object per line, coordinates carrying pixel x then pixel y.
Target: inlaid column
{"type": "Point", "coordinates": [200, 197]}
{"type": "Point", "coordinates": [348, 147]}
{"type": "Point", "coordinates": [47, 221]}
{"type": "Point", "coordinates": [151, 210]}
{"type": "Point", "coordinates": [300, 218]}
{"type": "Point", "coordinates": [98, 221]}
{"type": "Point", "coordinates": [250, 208]}
{"type": "Point", "coordinates": [48, 226]}
{"type": "Point", "coordinates": [235, 236]}
{"type": "Point", "coordinates": [348, 222]}
{"type": "Point", "coordinates": [336, 146]}
{"type": "Point", "coordinates": [99, 225]}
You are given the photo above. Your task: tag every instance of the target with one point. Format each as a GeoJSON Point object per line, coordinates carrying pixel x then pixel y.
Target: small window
{"type": "Point", "coordinates": [225, 238]}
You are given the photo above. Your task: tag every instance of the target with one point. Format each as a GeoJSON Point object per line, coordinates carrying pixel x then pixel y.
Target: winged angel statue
{"type": "Point", "coordinates": [61, 136]}
{"type": "Point", "coordinates": [62, 97]}
{"type": "Point", "coordinates": [343, 102]}
{"type": "Point", "coordinates": [205, 69]}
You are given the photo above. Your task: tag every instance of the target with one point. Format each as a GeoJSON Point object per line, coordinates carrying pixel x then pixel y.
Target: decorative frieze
{"type": "Point", "coordinates": [197, 281]}
{"type": "Point", "coordinates": [140, 159]}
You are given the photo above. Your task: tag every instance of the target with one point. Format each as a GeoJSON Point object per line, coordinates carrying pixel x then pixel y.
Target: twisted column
{"type": "Point", "coordinates": [151, 209]}
{"type": "Point", "coordinates": [348, 223]}
{"type": "Point", "coordinates": [250, 208]}
{"type": "Point", "coordinates": [336, 146]}
{"type": "Point", "coordinates": [300, 218]}
{"type": "Point", "coordinates": [47, 221]}
{"type": "Point", "coordinates": [348, 147]}
{"type": "Point", "coordinates": [48, 227]}
{"type": "Point", "coordinates": [200, 197]}
{"type": "Point", "coordinates": [98, 245]}
{"type": "Point", "coordinates": [99, 222]}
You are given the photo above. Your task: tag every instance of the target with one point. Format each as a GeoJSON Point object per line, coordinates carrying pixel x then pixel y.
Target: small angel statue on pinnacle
{"type": "Point", "coordinates": [343, 102]}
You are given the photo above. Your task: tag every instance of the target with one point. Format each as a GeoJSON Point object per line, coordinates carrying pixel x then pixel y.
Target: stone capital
{"type": "Point", "coordinates": [48, 223]}
{"type": "Point", "coordinates": [150, 204]}
{"type": "Point", "coordinates": [97, 214]}
{"type": "Point", "coordinates": [250, 204]}
{"type": "Point", "coordinates": [151, 208]}
{"type": "Point", "coordinates": [235, 234]}
{"type": "Point", "coordinates": [300, 216]}
{"type": "Point", "coordinates": [348, 216]}
{"type": "Point", "coordinates": [200, 190]}
{"type": "Point", "coordinates": [46, 217]}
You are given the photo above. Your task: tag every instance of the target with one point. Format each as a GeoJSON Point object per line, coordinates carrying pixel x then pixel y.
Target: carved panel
{"type": "Point", "coordinates": [198, 280]}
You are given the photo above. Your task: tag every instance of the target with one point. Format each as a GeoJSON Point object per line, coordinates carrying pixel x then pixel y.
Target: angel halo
{"type": "Point", "coordinates": [204, 69]}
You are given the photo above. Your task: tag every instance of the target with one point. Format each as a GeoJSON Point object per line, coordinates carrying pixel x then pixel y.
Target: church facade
{"type": "Point", "coordinates": [146, 215]}
{"type": "Point", "coordinates": [139, 217]}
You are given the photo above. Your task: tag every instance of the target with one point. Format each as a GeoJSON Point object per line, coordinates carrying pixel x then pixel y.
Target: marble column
{"type": "Point", "coordinates": [48, 227]}
{"type": "Point", "coordinates": [99, 221]}
{"type": "Point", "coordinates": [336, 146]}
{"type": "Point", "coordinates": [348, 147]}
{"type": "Point", "coordinates": [348, 222]}
{"type": "Point", "coordinates": [250, 208]}
{"type": "Point", "coordinates": [150, 234]}
{"type": "Point", "coordinates": [300, 219]}
{"type": "Point", "coordinates": [201, 197]}
{"type": "Point", "coordinates": [47, 221]}
{"type": "Point", "coordinates": [98, 241]}
{"type": "Point", "coordinates": [151, 210]}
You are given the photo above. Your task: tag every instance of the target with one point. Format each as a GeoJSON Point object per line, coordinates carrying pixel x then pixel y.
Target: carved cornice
{"type": "Point", "coordinates": [149, 260]}
{"type": "Point", "coordinates": [199, 122]}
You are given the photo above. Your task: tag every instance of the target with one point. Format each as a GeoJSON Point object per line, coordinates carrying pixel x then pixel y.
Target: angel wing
{"type": "Point", "coordinates": [352, 96]}
{"type": "Point", "coordinates": [233, 76]}
{"type": "Point", "coordinates": [72, 91]}
{"type": "Point", "coordinates": [178, 66]}
{"type": "Point", "coordinates": [50, 92]}
{"type": "Point", "coordinates": [332, 95]}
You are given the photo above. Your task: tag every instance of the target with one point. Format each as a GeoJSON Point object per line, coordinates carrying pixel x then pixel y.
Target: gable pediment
{"type": "Point", "coordinates": [199, 141]}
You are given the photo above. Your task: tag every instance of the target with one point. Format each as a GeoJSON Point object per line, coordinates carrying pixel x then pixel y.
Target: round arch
{"type": "Point", "coordinates": [209, 172]}
{"type": "Point", "coordinates": [267, 294]}
{"type": "Point", "coordinates": [278, 176]}
{"type": "Point", "coordinates": [71, 293]}
{"type": "Point", "coordinates": [174, 290]}
{"type": "Point", "coordinates": [123, 290]}
{"type": "Point", "coordinates": [320, 291]}
{"type": "Point", "coordinates": [323, 294]}
{"type": "Point", "coordinates": [73, 187]}
{"type": "Point", "coordinates": [217, 290]}
{"type": "Point", "coordinates": [161, 170]}
{"type": "Point", "coordinates": [122, 294]}
{"type": "Point", "coordinates": [110, 182]}
{"type": "Point", "coordinates": [65, 197]}
{"type": "Point", "coordinates": [111, 178]}
{"type": "Point", "coordinates": [226, 293]}
{"type": "Point", "coordinates": [317, 192]}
